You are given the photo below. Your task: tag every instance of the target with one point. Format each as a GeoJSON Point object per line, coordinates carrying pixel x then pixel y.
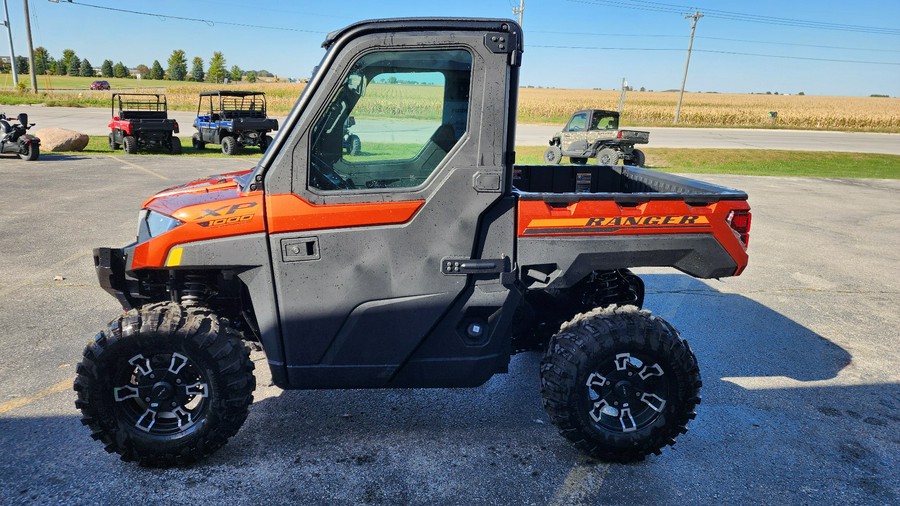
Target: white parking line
{"type": "Point", "coordinates": [136, 166]}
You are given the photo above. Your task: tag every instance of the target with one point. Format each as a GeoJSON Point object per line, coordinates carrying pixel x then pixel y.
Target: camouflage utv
{"type": "Point", "coordinates": [594, 133]}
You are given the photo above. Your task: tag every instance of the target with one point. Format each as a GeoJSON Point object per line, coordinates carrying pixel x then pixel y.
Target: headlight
{"type": "Point", "coordinates": [152, 224]}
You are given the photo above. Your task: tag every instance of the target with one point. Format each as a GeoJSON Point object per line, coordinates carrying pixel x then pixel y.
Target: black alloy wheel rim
{"type": "Point", "coordinates": [162, 394]}
{"type": "Point", "coordinates": [627, 393]}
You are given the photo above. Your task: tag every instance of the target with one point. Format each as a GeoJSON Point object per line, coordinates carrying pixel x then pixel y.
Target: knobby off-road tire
{"type": "Point", "coordinates": [165, 385]}
{"type": "Point", "coordinates": [196, 142]}
{"type": "Point", "coordinates": [230, 146]}
{"type": "Point", "coordinates": [129, 144]}
{"type": "Point", "coordinates": [553, 155]}
{"type": "Point", "coordinates": [113, 145]}
{"type": "Point", "coordinates": [355, 145]}
{"type": "Point", "coordinates": [175, 146]}
{"type": "Point", "coordinates": [620, 383]}
{"type": "Point", "coordinates": [264, 142]}
{"type": "Point", "coordinates": [32, 152]}
{"type": "Point", "coordinates": [607, 156]}
{"type": "Point", "coordinates": [638, 158]}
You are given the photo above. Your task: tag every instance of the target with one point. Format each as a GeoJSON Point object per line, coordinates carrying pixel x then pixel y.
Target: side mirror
{"type": "Point", "coordinates": [22, 118]}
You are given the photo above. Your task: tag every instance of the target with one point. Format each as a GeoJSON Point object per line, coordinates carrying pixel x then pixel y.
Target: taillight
{"type": "Point", "coordinates": [619, 135]}
{"type": "Point", "coordinates": [739, 221]}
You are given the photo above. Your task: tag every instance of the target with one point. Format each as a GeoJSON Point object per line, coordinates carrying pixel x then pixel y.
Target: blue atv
{"type": "Point", "coordinates": [233, 119]}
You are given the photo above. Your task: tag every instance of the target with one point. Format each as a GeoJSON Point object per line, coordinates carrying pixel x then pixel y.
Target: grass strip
{"type": "Point", "coordinates": [744, 162]}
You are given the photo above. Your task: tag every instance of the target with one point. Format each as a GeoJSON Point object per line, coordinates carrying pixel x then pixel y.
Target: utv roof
{"type": "Point", "coordinates": [604, 112]}
{"type": "Point", "coordinates": [230, 93]}
{"type": "Point", "coordinates": [408, 24]}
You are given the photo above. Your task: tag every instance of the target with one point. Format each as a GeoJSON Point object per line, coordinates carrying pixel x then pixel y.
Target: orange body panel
{"type": "Point", "coordinates": [211, 219]}
{"type": "Point", "coordinates": [606, 217]}
{"type": "Point", "coordinates": [214, 208]}
{"type": "Point", "coordinates": [290, 213]}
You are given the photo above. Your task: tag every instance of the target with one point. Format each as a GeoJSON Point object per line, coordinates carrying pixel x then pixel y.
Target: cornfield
{"type": "Point", "coordinates": [645, 108]}
{"type": "Point", "coordinates": [554, 106]}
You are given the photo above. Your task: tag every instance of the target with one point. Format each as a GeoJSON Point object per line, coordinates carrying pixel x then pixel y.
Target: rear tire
{"type": "Point", "coordinates": [607, 156]}
{"type": "Point", "coordinates": [638, 158]}
{"type": "Point", "coordinates": [165, 385]}
{"type": "Point", "coordinates": [129, 143]}
{"type": "Point", "coordinates": [32, 152]}
{"type": "Point", "coordinates": [229, 146]}
{"type": "Point", "coordinates": [175, 145]}
{"type": "Point", "coordinates": [264, 143]}
{"type": "Point", "coordinates": [619, 383]}
{"type": "Point", "coordinates": [355, 145]}
{"type": "Point", "coordinates": [553, 155]}
{"type": "Point", "coordinates": [197, 143]}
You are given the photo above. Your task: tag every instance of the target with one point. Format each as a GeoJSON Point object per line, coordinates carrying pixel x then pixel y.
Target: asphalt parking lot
{"type": "Point", "coordinates": [799, 356]}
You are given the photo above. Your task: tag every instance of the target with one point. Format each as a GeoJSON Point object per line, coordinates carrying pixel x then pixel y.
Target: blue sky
{"type": "Point", "coordinates": [826, 47]}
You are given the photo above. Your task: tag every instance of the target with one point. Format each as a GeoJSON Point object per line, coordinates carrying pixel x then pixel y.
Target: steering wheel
{"type": "Point", "coordinates": [323, 177]}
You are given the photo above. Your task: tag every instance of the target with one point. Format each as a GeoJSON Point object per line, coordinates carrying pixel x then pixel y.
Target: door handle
{"type": "Point", "coordinates": [300, 249]}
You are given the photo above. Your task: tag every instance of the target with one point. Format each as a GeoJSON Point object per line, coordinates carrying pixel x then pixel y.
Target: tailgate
{"type": "Point", "coordinates": [635, 136]}
{"type": "Point", "coordinates": [649, 219]}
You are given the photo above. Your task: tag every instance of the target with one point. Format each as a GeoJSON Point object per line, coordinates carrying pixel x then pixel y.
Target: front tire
{"type": "Point", "coordinates": [31, 153]}
{"type": "Point", "coordinates": [553, 155]}
{"type": "Point", "coordinates": [197, 143]}
{"type": "Point", "coordinates": [619, 383]}
{"type": "Point", "coordinates": [113, 145]}
{"type": "Point", "coordinates": [165, 385]}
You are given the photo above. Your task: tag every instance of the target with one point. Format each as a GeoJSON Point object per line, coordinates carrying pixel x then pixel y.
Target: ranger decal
{"type": "Point", "coordinates": [612, 224]}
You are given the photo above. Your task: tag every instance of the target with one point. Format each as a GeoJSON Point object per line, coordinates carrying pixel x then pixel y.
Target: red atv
{"type": "Point", "coordinates": [140, 121]}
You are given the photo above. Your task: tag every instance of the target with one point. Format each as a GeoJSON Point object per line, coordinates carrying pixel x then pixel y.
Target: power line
{"type": "Point", "coordinates": [761, 55]}
{"type": "Point", "coordinates": [199, 20]}
{"type": "Point", "coordinates": [726, 39]}
{"type": "Point", "coordinates": [740, 16]}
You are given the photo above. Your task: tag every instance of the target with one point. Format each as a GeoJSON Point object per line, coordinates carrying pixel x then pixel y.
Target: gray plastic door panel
{"type": "Point", "coordinates": [358, 244]}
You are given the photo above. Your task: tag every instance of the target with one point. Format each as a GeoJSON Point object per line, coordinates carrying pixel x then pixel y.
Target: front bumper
{"type": "Point", "coordinates": [110, 264]}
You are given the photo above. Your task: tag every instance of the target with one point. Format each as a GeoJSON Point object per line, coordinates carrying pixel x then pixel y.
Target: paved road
{"type": "Point", "coordinates": [94, 121]}
{"type": "Point", "coordinates": [801, 398]}
{"type": "Point", "coordinates": [735, 138]}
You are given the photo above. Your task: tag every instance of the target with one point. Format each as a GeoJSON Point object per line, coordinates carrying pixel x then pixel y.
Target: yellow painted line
{"type": "Point", "coordinates": [8, 406]}
{"type": "Point", "coordinates": [581, 485]}
{"type": "Point", "coordinates": [136, 166]}
{"type": "Point", "coordinates": [45, 274]}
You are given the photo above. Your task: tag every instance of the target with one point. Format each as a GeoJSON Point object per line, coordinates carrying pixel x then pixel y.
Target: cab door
{"type": "Point", "coordinates": [574, 137]}
{"type": "Point", "coordinates": [382, 258]}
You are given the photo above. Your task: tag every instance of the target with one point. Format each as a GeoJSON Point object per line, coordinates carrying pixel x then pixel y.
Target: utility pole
{"type": "Point", "coordinates": [520, 10]}
{"type": "Point", "coordinates": [30, 50]}
{"type": "Point", "coordinates": [12, 54]}
{"type": "Point", "coordinates": [695, 16]}
{"type": "Point", "coordinates": [622, 95]}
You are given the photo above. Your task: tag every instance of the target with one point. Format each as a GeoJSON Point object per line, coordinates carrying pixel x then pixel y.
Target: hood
{"type": "Point", "coordinates": [201, 191]}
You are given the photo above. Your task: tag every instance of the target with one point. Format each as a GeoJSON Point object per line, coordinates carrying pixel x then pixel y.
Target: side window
{"type": "Point", "coordinates": [392, 121]}
{"type": "Point", "coordinates": [577, 123]}
{"type": "Point", "coordinates": [604, 122]}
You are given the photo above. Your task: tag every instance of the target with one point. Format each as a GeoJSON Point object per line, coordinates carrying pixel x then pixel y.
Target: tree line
{"type": "Point", "coordinates": [177, 70]}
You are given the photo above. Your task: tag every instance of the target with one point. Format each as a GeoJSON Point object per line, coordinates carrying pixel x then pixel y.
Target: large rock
{"type": "Point", "coordinates": [61, 139]}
